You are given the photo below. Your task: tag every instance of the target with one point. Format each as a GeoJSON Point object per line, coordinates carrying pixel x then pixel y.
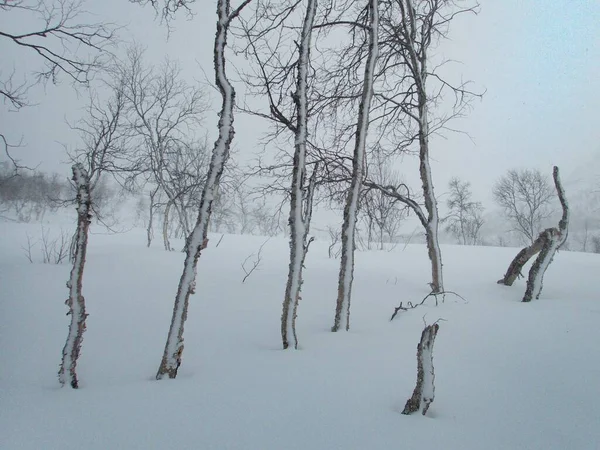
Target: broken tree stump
{"type": "Point", "coordinates": [424, 392]}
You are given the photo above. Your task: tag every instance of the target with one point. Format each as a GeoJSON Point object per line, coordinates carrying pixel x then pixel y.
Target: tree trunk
{"type": "Point", "coordinates": [171, 359]}
{"type": "Point", "coordinates": [166, 241]}
{"type": "Point", "coordinates": [298, 226]}
{"type": "Point", "coordinates": [555, 238]}
{"type": "Point", "coordinates": [76, 303]}
{"type": "Point", "coordinates": [424, 392]}
{"type": "Point", "coordinates": [149, 230]}
{"type": "Point", "coordinates": [431, 230]}
{"type": "Point", "coordinates": [346, 274]}
{"type": "Point", "coordinates": [516, 266]}
{"type": "Point", "coordinates": [418, 66]}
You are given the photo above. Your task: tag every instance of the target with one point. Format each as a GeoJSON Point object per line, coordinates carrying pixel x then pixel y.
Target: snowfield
{"type": "Point", "coordinates": [509, 375]}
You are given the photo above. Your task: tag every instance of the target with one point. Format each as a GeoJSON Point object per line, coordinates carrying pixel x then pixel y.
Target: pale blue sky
{"type": "Point", "coordinates": [539, 61]}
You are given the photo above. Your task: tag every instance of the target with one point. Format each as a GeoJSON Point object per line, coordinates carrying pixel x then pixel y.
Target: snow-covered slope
{"type": "Point", "coordinates": [508, 375]}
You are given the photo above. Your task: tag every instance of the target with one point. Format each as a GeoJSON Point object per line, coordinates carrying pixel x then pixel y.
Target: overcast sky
{"type": "Point", "coordinates": [539, 61]}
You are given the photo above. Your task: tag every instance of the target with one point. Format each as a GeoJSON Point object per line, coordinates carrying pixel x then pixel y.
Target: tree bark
{"type": "Point", "coordinates": [171, 359]}
{"type": "Point", "coordinates": [417, 62]}
{"type": "Point", "coordinates": [424, 392]}
{"type": "Point", "coordinates": [555, 238]}
{"type": "Point", "coordinates": [67, 373]}
{"type": "Point", "coordinates": [346, 274]}
{"type": "Point", "coordinates": [166, 241]}
{"type": "Point", "coordinates": [298, 226]}
{"type": "Point", "coordinates": [149, 230]}
{"type": "Point", "coordinates": [516, 266]}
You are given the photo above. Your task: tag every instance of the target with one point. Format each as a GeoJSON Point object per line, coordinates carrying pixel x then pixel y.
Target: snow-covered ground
{"type": "Point", "coordinates": [508, 375]}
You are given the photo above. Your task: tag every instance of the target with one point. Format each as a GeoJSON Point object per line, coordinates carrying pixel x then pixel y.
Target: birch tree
{"type": "Point", "coordinates": [525, 197]}
{"type": "Point", "coordinates": [171, 359]}
{"type": "Point", "coordinates": [104, 141]}
{"type": "Point", "coordinates": [165, 114]}
{"type": "Point", "coordinates": [464, 219]}
{"type": "Point", "coordinates": [300, 203]}
{"type": "Point", "coordinates": [67, 373]}
{"type": "Point", "coordinates": [409, 88]}
{"type": "Point", "coordinates": [282, 64]}
{"type": "Point", "coordinates": [346, 273]}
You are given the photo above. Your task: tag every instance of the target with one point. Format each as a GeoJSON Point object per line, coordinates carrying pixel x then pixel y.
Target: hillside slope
{"type": "Point", "coordinates": [508, 375]}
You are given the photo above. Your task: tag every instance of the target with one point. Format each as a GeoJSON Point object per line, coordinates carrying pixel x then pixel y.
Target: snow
{"type": "Point", "coordinates": [509, 375]}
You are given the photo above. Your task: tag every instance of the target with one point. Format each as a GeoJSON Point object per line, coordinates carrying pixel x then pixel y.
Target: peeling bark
{"type": "Point", "coordinates": [67, 373]}
{"type": "Point", "coordinates": [346, 274]}
{"type": "Point", "coordinates": [424, 392]}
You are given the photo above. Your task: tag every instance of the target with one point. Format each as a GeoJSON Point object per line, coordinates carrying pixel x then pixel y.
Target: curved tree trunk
{"type": "Point", "coordinates": [547, 244]}
{"type": "Point", "coordinates": [67, 373]}
{"type": "Point", "coordinates": [171, 359]}
{"type": "Point", "coordinates": [297, 219]}
{"type": "Point", "coordinates": [555, 238]}
{"type": "Point", "coordinates": [346, 274]}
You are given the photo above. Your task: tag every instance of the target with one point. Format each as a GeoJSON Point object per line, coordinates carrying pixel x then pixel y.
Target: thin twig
{"type": "Point", "coordinates": [411, 305]}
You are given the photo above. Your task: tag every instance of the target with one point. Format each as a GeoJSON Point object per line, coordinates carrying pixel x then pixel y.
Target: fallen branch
{"type": "Point", "coordinates": [411, 305]}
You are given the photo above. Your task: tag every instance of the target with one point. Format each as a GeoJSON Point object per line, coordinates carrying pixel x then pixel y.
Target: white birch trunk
{"type": "Point", "coordinates": [171, 359]}
{"type": "Point", "coordinates": [418, 66]}
{"type": "Point", "coordinates": [431, 230]}
{"type": "Point", "coordinates": [346, 274]}
{"type": "Point", "coordinates": [67, 373]}
{"type": "Point", "coordinates": [298, 226]}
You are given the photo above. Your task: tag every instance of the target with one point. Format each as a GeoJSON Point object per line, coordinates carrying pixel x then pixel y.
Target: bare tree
{"type": "Point", "coordinates": [334, 239]}
{"type": "Point", "coordinates": [346, 275]}
{"type": "Point", "coordinates": [282, 64]}
{"type": "Point", "coordinates": [59, 38]}
{"type": "Point", "coordinates": [165, 114]}
{"type": "Point", "coordinates": [381, 213]}
{"type": "Point", "coordinates": [464, 220]}
{"type": "Point", "coordinates": [408, 90]}
{"type": "Point", "coordinates": [525, 197]}
{"type": "Point", "coordinates": [171, 359]}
